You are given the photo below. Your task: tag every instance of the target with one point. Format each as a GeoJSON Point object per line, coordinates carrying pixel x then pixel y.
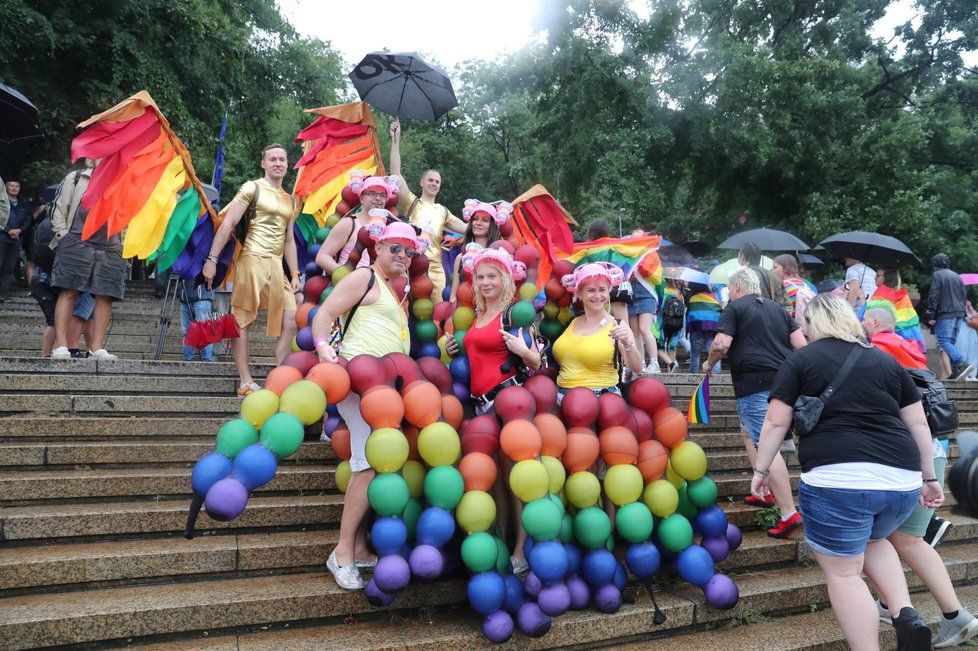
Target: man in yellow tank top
{"type": "Point", "coordinates": [425, 213]}
{"type": "Point", "coordinates": [379, 326]}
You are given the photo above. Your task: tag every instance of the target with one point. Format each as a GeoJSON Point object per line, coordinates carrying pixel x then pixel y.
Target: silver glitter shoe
{"type": "Point", "coordinates": [365, 565]}
{"type": "Point", "coordinates": [347, 577]}
{"type": "Point", "coordinates": [520, 565]}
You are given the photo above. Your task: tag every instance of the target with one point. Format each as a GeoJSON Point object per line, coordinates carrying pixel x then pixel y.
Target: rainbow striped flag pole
{"type": "Point", "coordinates": [699, 403]}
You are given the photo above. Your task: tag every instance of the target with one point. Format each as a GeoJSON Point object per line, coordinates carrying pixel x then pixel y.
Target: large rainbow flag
{"type": "Point", "coordinates": [636, 256]}
{"type": "Point", "coordinates": [907, 321]}
{"type": "Point", "coordinates": [703, 312]}
{"type": "Point", "coordinates": [136, 187]}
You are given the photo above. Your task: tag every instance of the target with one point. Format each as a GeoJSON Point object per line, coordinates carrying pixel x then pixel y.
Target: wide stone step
{"type": "Point", "coordinates": [125, 367]}
{"type": "Point", "coordinates": [120, 404]}
{"type": "Point", "coordinates": [123, 344]}
{"type": "Point", "coordinates": [127, 384]}
{"type": "Point", "coordinates": [59, 428]}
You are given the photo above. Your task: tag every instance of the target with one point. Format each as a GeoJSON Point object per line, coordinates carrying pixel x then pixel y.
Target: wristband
{"type": "Point", "coordinates": [320, 341]}
{"type": "Point", "coordinates": [761, 473]}
{"type": "Point", "coordinates": [295, 273]}
{"type": "Point", "coordinates": [211, 258]}
{"type": "Point", "coordinates": [935, 480]}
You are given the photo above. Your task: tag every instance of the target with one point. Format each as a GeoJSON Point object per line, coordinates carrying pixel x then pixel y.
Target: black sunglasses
{"type": "Point", "coordinates": [397, 248]}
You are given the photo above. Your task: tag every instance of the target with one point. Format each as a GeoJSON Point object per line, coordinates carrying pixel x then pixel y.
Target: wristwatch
{"type": "Point", "coordinates": [762, 473]}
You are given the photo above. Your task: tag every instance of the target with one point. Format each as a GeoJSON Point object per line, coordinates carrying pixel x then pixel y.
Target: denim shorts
{"type": "Point", "coordinates": [842, 521]}
{"type": "Point", "coordinates": [643, 306]}
{"type": "Point", "coordinates": [752, 409]}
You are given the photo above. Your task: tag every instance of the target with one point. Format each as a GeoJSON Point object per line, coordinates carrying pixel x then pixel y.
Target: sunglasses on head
{"type": "Point", "coordinates": [397, 248]}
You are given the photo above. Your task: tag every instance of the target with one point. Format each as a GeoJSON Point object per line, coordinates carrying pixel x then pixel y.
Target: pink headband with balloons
{"type": "Point", "coordinates": [360, 183]}
{"type": "Point", "coordinates": [499, 212]}
{"type": "Point", "coordinates": [614, 275]}
{"type": "Point", "coordinates": [500, 258]}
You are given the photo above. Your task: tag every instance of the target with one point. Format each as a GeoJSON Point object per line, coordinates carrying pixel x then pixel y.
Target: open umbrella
{"type": "Point", "coordinates": [687, 275]}
{"type": "Point", "coordinates": [768, 239]}
{"type": "Point", "coordinates": [402, 84]}
{"type": "Point", "coordinates": [871, 248]}
{"type": "Point", "coordinates": [720, 274]}
{"type": "Point", "coordinates": [809, 260]}
{"type": "Point", "coordinates": [674, 255]}
{"type": "Point", "coordinates": [18, 116]}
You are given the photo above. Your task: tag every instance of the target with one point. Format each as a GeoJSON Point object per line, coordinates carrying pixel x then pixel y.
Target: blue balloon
{"type": "Point", "coordinates": [460, 370]}
{"type": "Point", "coordinates": [330, 425]}
{"type": "Point", "coordinates": [313, 249]}
{"type": "Point", "coordinates": [461, 391]}
{"type": "Point", "coordinates": [332, 410]}
{"type": "Point", "coordinates": [429, 350]}
{"type": "Point", "coordinates": [446, 293]}
{"type": "Point", "coordinates": [254, 466]}
{"type": "Point", "coordinates": [574, 559]}
{"type": "Point", "coordinates": [312, 314]}
{"type": "Point", "coordinates": [643, 560]}
{"type": "Point", "coordinates": [712, 521]}
{"type": "Point", "coordinates": [620, 577]}
{"type": "Point", "coordinates": [211, 469]}
{"type": "Point", "coordinates": [313, 269]}
{"type": "Point", "coordinates": [528, 546]}
{"type": "Point", "coordinates": [548, 560]}
{"type": "Point", "coordinates": [486, 592]}
{"type": "Point", "coordinates": [695, 565]}
{"type": "Point", "coordinates": [388, 535]}
{"type": "Point", "coordinates": [527, 337]}
{"type": "Point", "coordinates": [435, 528]}
{"type": "Point", "coordinates": [514, 594]}
{"type": "Point", "coordinates": [599, 567]}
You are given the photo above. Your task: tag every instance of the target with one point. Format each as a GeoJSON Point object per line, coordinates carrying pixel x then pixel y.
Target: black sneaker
{"type": "Point", "coordinates": [960, 370]}
{"type": "Point", "coordinates": [912, 631]}
{"type": "Point", "coordinates": [937, 528]}
{"type": "Point", "coordinates": [78, 354]}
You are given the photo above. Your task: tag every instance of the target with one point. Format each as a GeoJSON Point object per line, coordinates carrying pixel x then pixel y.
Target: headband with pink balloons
{"type": "Point", "coordinates": [476, 256]}
{"type": "Point", "coordinates": [500, 212]}
{"type": "Point", "coordinates": [614, 275]}
{"type": "Point", "coordinates": [360, 183]}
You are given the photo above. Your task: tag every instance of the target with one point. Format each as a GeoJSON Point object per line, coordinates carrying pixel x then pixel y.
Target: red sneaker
{"type": "Point", "coordinates": [768, 500]}
{"type": "Point", "coordinates": [786, 527]}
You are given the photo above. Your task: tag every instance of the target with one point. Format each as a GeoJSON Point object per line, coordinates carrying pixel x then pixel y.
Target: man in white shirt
{"type": "Point", "coordinates": [864, 276]}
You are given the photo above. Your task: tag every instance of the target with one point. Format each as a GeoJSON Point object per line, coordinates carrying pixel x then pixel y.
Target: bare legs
{"type": "Point", "coordinates": [284, 345]}
{"type": "Point", "coordinates": [641, 325]}
{"type": "Point", "coordinates": [353, 522]}
{"type": "Point", "coordinates": [851, 600]}
{"type": "Point", "coordinates": [239, 350]}
{"type": "Point", "coordinates": [62, 316]}
{"type": "Point", "coordinates": [100, 321]}
{"type": "Point", "coordinates": [926, 563]}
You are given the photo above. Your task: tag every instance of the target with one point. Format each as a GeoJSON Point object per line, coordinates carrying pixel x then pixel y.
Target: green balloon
{"type": "Point", "coordinates": [480, 552]}
{"type": "Point", "coordinates": [634, 522]}
{"type": "Point", "coordinates": [234, 436]}
{"type": "Point", "coordinates": [542, 519]}
{"type": "Point", "coordinates": [322, 234]}
{"type": "Point", "coordinates": [459, 336]}
{"type": "Point", "coordinates": [610, 544]}
{"type": "Point", "coordinates": [566, 529]}
{"type": "Point", "coordinates": [282, 434]}
{"type": "Point", "coordinates": [702, 493]}
{"type": "Point", "coordinates": [522, 314]}
{"type": "Point", "coordinates": [388, 494]}
{"type": "Point", "coordinates": [686, 507]}
{"type": "Point", "coordinates": [502, 556]}
{"type": "Point", "coordinates": [425, 331]}
{"type": "Point", "coordinates": [443, 487]}
{"type": "Point", "coordinates": [592, 527]}
{"type": "Point", "coordinates": [410, 516]}
{"type": "Point", "coordinates": [551, 329]}
{"type": "Point", "coordinates": [675, 533]}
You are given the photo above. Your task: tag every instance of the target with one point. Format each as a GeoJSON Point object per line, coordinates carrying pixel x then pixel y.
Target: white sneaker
{"type": "Point", "coordinates": [652, 368]}
{"type": "Point", "coordinates": [61, 353]}
{"type": "Point", "coordinates": [102, 354]}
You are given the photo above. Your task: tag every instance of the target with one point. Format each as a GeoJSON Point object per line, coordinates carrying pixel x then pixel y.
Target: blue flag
{"type": "Point", "coordinates": [219, 157]}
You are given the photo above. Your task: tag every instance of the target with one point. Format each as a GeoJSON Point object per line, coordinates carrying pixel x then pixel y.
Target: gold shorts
{"type": "Point", "coordinates": [260, 283]}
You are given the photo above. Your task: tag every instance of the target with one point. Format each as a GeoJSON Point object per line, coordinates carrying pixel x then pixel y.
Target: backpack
{"type": "Point", "coordinates": [941, 411]}
{"type": "Point", "coordinates": [673, 313]}
{"type": "Point", "coordinates": [40, 248]}
{"type": "Point", "coordinates": [514, 360]}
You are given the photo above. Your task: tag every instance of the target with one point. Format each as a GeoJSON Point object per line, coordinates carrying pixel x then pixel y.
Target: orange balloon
{"type": "Point", "coordinates": [452, 411]}
{"type": "Point", "coordinates": [670, 427]}
{"type": "Point", "coordinates": [340, 441]}
{"type": "Point", "coordinates": [520, 440]}
{"type": "Point", "coordinates": [553, 434]}
{"type": "Point", "coordinates": [280, 377]}
{"type": "Point", "coordinates": [411, 434]}
{"type": "Point", "coordinates": [422, 403]}
{"type": "Point", "coordinates": [582, 449]}
{"type": "Point", "coordinates": [652, 460]}
{"type": "Point", "coordinates": [302, 314]}
{"type": "Point", "coordinates": [465, 295]}
{"type": "Point", "coordinates": [478, 471]}
{"type": "Point", "coordinates": [381, 406]}
{"type": "Point", "coordinates": [618, 445]}
{"type": "Point", "coordinates": [331, 378]}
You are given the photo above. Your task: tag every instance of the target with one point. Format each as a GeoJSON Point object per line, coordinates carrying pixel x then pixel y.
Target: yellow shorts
{"type": "Point", "coordinates": [260, 283]}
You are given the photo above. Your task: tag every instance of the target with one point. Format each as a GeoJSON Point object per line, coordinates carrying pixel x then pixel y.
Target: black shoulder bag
{"type": "Point", "coordinates": [808, 409]}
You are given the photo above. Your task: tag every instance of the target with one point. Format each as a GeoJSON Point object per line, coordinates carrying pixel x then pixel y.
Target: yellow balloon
{"type": "Point", "coordinates": [333, 220]}
{"type": "Point", "coordinates": [463, 318]}
{"type": "Point", "coordinates": [551, 310]}
{"type": "Point", "coordinates": [582, 489]}
{"type": "Point", "coordinates": [529, 480]}
{"type": "Point", "coordinates": [340, 273]}
{"type": "Point", "coordinates": [343, 475]}
{"type": "Point", "coordinates": [673, 478]}
{"type": "Point", "coordinates": [259, 406]}
{"type": "Point", "coordinates": [295, 345]}
{"type": "Point", "coordinates": [557, 473]}
{"type": "Point", "coordinates": [305, 400]}
{"type": "Point", "coordinates": [476, 511]}
{"type": "Point", "coordinates": [414, 473]}
{"type": "Point", "coordinates": [565, 315]}
{"type": "Point", "coordinates": [661, 497]}
{"type": "Point", "coordinates": [528, 292]}
{"type": "Point", "coordinates": [623, 484]}
{"type": "Point", "coordinates": [438, 445]}
{"type": "Point", "coordinates": [387, 449]}
{"type": "Point", "coordinates": [688, 461]}
{"type": "Point", "coordinates": [442, 342]}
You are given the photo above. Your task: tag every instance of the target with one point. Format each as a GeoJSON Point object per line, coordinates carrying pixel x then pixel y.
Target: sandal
{"type": "Point", "coordinates": [246, 388]}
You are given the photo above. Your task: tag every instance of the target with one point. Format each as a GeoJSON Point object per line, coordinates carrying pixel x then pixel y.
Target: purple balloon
{"type": "Point", "coordinates": [718, 547]}
{"type": "Point", "coordinates": [329, 425]}
{"type": "Point", "coordinates": [377, 597]}
{"type": "Point", "coordinates": [734, 536]}
{"type": "Point", "coordinates": [303, 339]}
{"type": "Point", "coordinates": [226, 499]}
{"type": "Point", "coordinates": [498, 627]}
{"type": "Point", "coordinates": [580, 594]}
{"type": "Point", "coordinates": [721, 592]}
{"type": "Point", "coordinates": [461, 392]}
{"type": "Point", "coordinates": [554, 600]}
{"type": "Point", "coordinates": [607, 598]}
{"type": "Point", "coordinates": [313, 269]}
{"type": "Point", "coordinates": [533, 622]}
{"type": "Point", "coordinates": [392, 573]}
{"type": "Point", "coordinates": [426, 562]}
{"type": "Point", "coordinates": [532, 585]}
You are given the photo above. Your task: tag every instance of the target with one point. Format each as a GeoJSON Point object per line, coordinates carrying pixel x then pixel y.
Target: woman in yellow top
{"type": "Point", "coordinates": [586, 349]}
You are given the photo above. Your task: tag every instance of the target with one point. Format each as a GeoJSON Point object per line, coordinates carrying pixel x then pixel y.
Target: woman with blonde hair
{"type": "Point", "coordinates": [866, 460]}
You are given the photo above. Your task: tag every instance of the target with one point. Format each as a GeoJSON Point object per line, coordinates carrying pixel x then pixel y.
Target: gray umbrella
{"type": "Point", "coordinates": [402, 84]}
{"type": "Point", "coordinates": [872, 248]}
{"type": "Point", "coordinates": [809, 260]}
{"type": "Point", "coordinates": [768, 239]}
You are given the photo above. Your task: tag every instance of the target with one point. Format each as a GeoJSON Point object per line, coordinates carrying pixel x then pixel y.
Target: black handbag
{"type": "Point", "coordinates": [808, 409]}
{"type": "Point", "coordinates": [940, 410]}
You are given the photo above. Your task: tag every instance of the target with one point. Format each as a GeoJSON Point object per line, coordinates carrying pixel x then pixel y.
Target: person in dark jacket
{"type": "Point", "coordinates": [945, 312]}
{"type": "Point", "coordinates": [10, 237]}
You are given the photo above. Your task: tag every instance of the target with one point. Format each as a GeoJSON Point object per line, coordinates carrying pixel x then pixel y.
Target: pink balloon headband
{"type": "Point", "coordinates": [500, 212]}
{"type": "Point", "coordinates": [614, 275]}
{"type": "Point", "coordinates": [474, 257]}
{"type": "Point", "coordinates": [360, 183]}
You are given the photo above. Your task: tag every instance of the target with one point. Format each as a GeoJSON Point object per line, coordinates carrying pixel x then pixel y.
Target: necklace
{"type": "Point", "coordinates": [400, 310]}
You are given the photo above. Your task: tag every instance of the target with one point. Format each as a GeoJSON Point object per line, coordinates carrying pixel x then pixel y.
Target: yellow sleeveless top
{"type": "Point", "coordinates": [377, 329]}
{"type": "Point", "coordinates": [586, 361]}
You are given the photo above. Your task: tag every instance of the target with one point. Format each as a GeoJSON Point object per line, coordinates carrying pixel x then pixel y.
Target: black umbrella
{"type": "Point", "coordinates": [402, 84]}
{"type": "Point", "coordinates": [768, 239]}
{"type": "Point", "coordinates": [808, 260]}
{"type": "Point", "coordinates": [673, 255]}
{"type": "Point", "coordinates": [871, 248]}
{"type": "Point", "coordinates": [18, 117]}
{"type": "Point", "coordinates": [48, 193]}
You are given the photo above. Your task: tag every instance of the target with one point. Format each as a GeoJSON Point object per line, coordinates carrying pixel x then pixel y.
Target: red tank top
{"type": "Point", "coordinates": [487, 352]}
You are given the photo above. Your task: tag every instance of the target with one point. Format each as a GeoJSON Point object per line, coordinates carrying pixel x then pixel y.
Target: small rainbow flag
{"type": "Point", "coordinates": [636, 256]}
{"type": "Point", "coordinates": [699, 403]}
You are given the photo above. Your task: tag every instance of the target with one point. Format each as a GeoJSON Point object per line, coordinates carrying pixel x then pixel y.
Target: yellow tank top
{"type": "Point", "coordinates": [586, 361]}
{"type": "Point", "coordinates": [377, 329]}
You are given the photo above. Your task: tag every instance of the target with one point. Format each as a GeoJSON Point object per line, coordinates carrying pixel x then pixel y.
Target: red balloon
{"type": "Point", "coordinates": [411, 433]}
{"type": "Point", "coordinates": [350, 196]}
{"type": "Point", "coordinates": [465, 295]}
{"type": "Point", "coordinates": [554, 290]}
{"type": "Point", "coordinates": [579, 408]}
{"type": "Point", "coordinates": [443, 311]}
{"type": "Point", "coordinates": [649, 394]}
{"type": "Point", "coordinates": [400, 285]}
{"type": "Point", "coordinates": [480, 442]}
{"type": "Point", "coordinates": [365, 372]}
{"type": "Point", "coordinates": [643, 424]}
{"type": "Point", "coordinates": [421, 286]}
{"type": "Point", "coordinates": [405, 368]}
{"type": "Point", "coordinates": [389, 371]}
{"type": "Point", "coordinates": [340, 442]}
{"type": "Point", "coordinates": [314, 287]}
{"type": "Point", "coordinates": [302, 360]}
{"type": "Point", "coordinates": [612, 410]}
{"type": "Point", "coordinates": [503, 245]}
{"type": "Point", "coordinates": [528, 255]}
{"type": "Point", "coordinates": [342, 207]}
{"type": "Point", "coordinates": [544, 391]}
{"type": "Point", "coordinates": [618, 445]}
{"type": "Point", "coordinates": [435, 371]}
{"type": "Point", "coordinates": [484, 424]}
{"type": "Point", "coordinates": [515, 402]}
{"type": "Point", "coordinates": [506, 228]}
{"type": "Point", "coordinates": [561, 268]}
{"type": "Point", "coordinates": [419, 266]}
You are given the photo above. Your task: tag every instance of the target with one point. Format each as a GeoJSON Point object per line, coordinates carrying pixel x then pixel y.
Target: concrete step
{"type": "Point", "coordinates": [127, 384]}
{"type": "Point", "coordinates": [227, 403]}
{"type": "Point", "coordinates": [123, 344]}
{"type": "Point", "coordinates": [36, 365]}
{"type": "Point", "coordinates": [60, 428]}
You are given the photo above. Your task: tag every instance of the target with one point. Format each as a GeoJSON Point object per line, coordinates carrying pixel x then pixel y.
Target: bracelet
{"type": "Point", "coordinates": [211, 258]}
{"type": "Point", "coordinates": [319, 341]}
{"type": "Point", "coordinates": [762, 473]}
{"type": "Point", "coordinates": [295, 273]}
{"type": "Point", "coordinates": [935, 480]}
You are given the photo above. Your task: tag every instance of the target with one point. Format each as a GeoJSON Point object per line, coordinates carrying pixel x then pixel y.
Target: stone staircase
{"type": "Point", "coordinates": [94, 487]}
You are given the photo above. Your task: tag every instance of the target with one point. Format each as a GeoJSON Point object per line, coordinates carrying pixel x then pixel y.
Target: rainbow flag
{"type": "Point", "coordinates": [907, 321]}
{"type": "Point", "coordinates": [703, 312]}
{"type": "Point", "coordinates": [699, 403]}
{"type": "Point", "coordinates": [791, 288]}
{"type": "Point", "coordinates": [636, 256]}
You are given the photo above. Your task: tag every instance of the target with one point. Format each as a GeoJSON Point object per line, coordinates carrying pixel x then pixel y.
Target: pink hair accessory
{"type": "Point", "coordinates": [398, 231]}
{"type": "Point", "coordinates": [572, 282]}
{"type": "Point", "coordinates": [386, 184]}
{"type": "Point", "coordinates": [503, 260]}
{"type": "Point", "coordinates": [500, 212]}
